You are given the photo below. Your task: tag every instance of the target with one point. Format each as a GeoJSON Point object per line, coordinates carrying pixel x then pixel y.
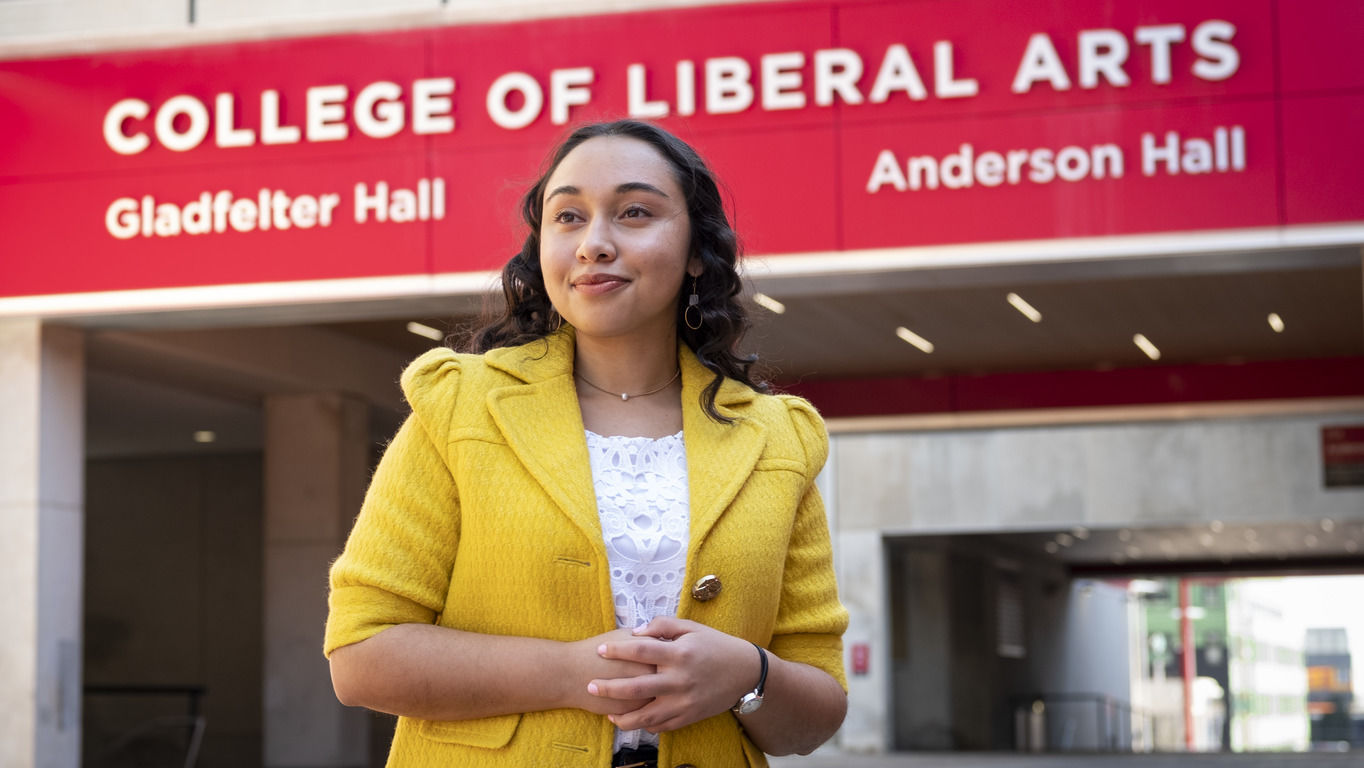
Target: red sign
{"type": "Point", "coordinates": [1342, 456]}
{"type": "Point", "coordinates": [861, 658]}
{"type": "Point", "coordinates": [835, 125]}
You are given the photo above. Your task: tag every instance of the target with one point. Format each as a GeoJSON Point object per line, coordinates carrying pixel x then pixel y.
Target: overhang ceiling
{"type": "Point", "coordinates": [1085, 323]}
{"type": "Point", "coordinates": [1307, 545]}
{"type": "Point", "coordinates": [1194, 309]}
{"type": "Point", "coordinates": [153, 381]}
{"type": "Point", "coordinates": [1211, 309]}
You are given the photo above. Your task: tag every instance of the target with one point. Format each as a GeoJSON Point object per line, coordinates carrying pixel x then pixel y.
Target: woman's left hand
{"type": "Point", "coordinates": [701, 672]}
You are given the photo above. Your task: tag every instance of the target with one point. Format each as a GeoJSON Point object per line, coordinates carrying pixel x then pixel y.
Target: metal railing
{"type": "Point", "coordinates": [1075, 722]}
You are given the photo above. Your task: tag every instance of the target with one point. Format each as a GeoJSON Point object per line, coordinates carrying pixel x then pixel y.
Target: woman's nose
{"type": "Point", "coordinates": [597, 244]}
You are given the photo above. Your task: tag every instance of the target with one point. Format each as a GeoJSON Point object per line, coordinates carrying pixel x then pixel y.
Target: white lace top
{"type": "Point", "coordinates": [642, 499]}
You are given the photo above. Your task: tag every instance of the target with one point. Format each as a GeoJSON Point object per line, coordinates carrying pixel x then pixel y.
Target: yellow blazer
{"type": "Point", "coordinates": [482, 516]}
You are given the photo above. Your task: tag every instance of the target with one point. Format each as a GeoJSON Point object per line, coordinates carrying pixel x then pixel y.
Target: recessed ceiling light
{"type": "Point", "coordinates": [1276, 322]}
{"type": "Point", "coordinates": [919, 342]}
{"type": "Point", "coordinates": [205, 436]}
{"type": "Point", "coordinates": [769, 303]}
{"type": "Point", "coordinates": [1145, 345]}
{"type": "Point", "coordinates": [1028, 310]}
{"type": "Point", "coordinates": [421, 329]}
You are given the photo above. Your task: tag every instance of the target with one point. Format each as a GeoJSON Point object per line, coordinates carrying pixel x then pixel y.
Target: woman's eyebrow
{"type": "Point", "coordinates": [629, 186]}
{"type": "Point", "coordinates": [640, 186]}
{"type": "Point", "coordinates": [564, 190]}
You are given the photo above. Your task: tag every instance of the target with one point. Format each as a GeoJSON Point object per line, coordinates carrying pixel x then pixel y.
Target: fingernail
{"type": "Point", "coordinates": [601, 649]}
{"type": "Point", "coordinates": [592, 688]}
{"type": "Point", "coordinates": [641, 628]}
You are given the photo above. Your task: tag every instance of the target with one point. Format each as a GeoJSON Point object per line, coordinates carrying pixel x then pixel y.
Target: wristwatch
{"type": "Point", "coordinates": [754, 698]}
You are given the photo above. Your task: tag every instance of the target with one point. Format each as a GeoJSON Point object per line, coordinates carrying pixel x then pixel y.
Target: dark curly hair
{"type": "Point", "coordinates": [528, 314]}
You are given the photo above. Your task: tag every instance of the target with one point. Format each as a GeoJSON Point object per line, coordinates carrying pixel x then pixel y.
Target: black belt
{"type": "Point", "coordinates": [643, 757]}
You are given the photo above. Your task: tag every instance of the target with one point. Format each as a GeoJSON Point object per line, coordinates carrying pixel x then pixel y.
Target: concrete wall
{"type": "Point", "coordinates": [316, 471]}
{"type": "Point", "coordinates": [920, 691]}
{"type": "Point", "coordinates": [99, 24]}
{"type": "Point", "coordinates": [1092, 660]}
{"type": "Point", "coordinates": [68, 18]}
{"type": "Point", "coordinates": [1103, 475]}
{"type": "Point", "coordinates": [173, 597]}
{"type": "Point", "coordinates": [954, 684]}
{"type": "Point", "coordinates": [56, 18]}
{"type": "Point", "coordinates": [1095, 645]}
{"type": "Point", "coordinates": [922, 652]}
{"type": "Point", "coordinates": [43, 524]}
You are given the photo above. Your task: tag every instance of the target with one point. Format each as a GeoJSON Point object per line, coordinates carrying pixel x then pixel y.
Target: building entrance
{"type": "Point", "coordinates": [995, 644]}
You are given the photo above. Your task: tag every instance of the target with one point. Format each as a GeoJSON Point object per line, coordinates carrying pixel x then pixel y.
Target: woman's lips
{"type": "Point", "coordinates": [594, 285]}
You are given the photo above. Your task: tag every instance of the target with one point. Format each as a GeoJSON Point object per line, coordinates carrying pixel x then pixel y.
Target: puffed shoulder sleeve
{"type": "Point", "coordinates": [810, 620]}
{"type": "Point", "coordinates": [396, 565]}
{"type": "Point", "coordinates": [810, 431]}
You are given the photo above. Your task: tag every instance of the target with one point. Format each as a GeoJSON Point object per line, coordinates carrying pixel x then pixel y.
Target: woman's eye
{"type": "Point", "coordinates": [565, 217]}
{"type": "Point", "coordinates": [635, 212]}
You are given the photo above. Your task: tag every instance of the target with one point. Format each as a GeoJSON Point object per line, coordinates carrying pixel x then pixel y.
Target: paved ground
{"type": "Point", "coordinates": [1010, 760]}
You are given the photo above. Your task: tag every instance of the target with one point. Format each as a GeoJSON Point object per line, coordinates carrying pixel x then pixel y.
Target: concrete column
{"type": "Point", "coordinates": [862, 587]}
{"type": "Point", "coordinates": [860, 562]}
{"type": "Point", "coordinates": [316, 467]}
{"type": "Point", "coordinates": [42, 446]}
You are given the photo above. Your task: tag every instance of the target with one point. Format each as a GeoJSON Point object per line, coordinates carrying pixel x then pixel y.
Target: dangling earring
{"type": "Point", "coordinates": [693, 302]}
{"type": "Point", "coordinates": [558, 320]}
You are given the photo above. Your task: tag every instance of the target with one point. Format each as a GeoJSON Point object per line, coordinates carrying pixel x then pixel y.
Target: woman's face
{"type": "Point", "coordinates": [615, 239]}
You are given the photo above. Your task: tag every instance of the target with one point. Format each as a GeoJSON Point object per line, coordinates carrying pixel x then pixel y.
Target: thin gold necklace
{"type": "Point", "coordinates": [626, 395]}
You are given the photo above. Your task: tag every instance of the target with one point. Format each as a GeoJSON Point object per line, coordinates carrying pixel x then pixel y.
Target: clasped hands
{"type": "Point", "coordinates": [665, 675]}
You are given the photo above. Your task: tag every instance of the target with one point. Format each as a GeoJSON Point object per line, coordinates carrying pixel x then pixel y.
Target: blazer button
{"type": "Point", "coordinates": [706, 587]}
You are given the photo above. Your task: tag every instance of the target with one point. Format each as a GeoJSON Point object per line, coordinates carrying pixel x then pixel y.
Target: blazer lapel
{"type": "Point", "coordinates": [544, 427]}
{"type": "Point", "coordinates": [720, 457]}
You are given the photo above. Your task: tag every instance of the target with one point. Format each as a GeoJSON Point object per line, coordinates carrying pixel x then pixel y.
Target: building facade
{"type": "Point", "coordinates": [1078, 291]}
{"type": "Point", "coordinates": [1330, 680]}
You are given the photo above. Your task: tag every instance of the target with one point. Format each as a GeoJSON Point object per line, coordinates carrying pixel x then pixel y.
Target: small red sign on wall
{"type": "Point", "coordinates": [1342, 456]}
{"type": "Point", "coordinates": [861, 658]}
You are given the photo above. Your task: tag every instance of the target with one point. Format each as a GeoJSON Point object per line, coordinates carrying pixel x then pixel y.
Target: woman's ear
{"type": "Point", "coordinates": [695, 267]}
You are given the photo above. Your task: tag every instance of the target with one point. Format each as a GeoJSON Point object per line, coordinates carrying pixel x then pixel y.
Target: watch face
{"type": "Point", "coordinates": [750, 703]}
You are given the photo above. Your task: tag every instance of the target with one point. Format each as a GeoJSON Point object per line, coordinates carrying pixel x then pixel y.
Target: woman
{"type": "Point", "coordinates": [598, 542]}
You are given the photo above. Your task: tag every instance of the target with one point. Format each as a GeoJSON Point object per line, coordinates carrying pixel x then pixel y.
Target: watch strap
{"type": "Point", "coordinates": [762, 676]}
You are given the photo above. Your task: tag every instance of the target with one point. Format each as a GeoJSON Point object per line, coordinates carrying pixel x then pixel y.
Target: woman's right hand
{"type": "Point", "coordinates": [436, 673]}
{"type": "Point", "coordinates": [586, 664]}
